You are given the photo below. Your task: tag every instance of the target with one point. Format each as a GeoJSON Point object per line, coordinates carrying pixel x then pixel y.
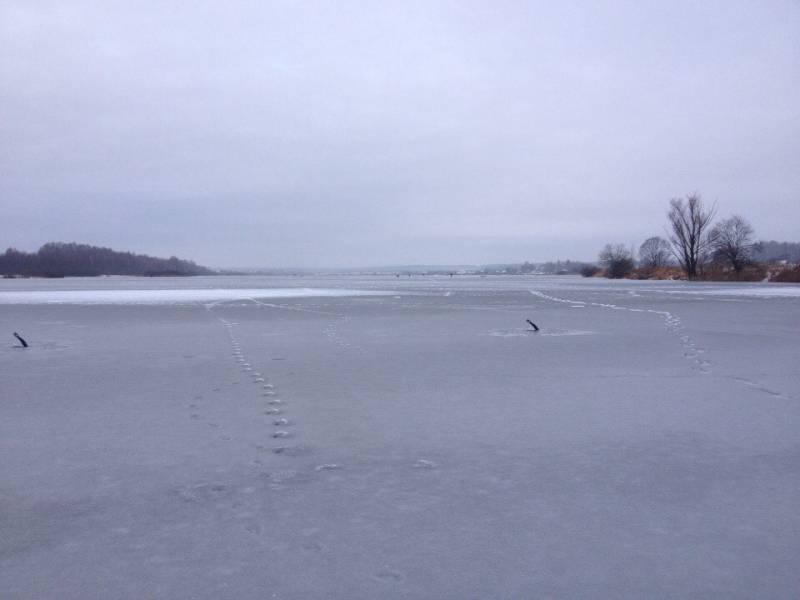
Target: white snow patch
{"type": "Point", "coordinates": [767, 291]}
{"type": "Point", "coordinates": [190, 296]}
{"type": "Point", "coordinates": [563, 332]}
{"type": "Point", "coordinates": [533, 334]}
{"type": "Point", "coordinates": [510, 332]}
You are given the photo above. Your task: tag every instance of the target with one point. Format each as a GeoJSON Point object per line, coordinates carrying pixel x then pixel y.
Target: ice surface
{"type": "Point", "coordinates": [421, 444]}
{"type": "Point", "coordinates": [763, 291]}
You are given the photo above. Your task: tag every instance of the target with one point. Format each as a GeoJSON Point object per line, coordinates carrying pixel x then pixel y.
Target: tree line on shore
{"type": "Point", "coordinates": [58, 259]}
{"type": "Point", "coordinates": [698, 248]}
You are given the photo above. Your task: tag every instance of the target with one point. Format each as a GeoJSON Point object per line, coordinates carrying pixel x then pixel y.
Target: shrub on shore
{"type": "Point", "coordinates": [590, 270]}
{"type": "Point", "coordinates": [747, 272]}
{"type": "Point", "coordinates": [666, 272]}
{"type": "Point", "coordinates": [787, 275]}
{"type": "Point", "coordinates": [751, 272]}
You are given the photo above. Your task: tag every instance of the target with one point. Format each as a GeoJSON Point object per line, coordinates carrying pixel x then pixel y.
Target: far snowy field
{"type": "Point", "coordinates": [373, 437]}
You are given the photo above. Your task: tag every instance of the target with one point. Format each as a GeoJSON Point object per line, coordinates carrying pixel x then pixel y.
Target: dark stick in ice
{"type": "Point", "coordinates": [19, 337]}
{"type": "Point", "coordinates": [532, 324]}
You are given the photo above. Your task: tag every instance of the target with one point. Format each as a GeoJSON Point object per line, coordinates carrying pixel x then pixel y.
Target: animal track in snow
{"type": "Point", "coordinates": [331, 331]}
{"type": "Point", "coordinates": [268, 393]}
{"type": "Point", "coordinates": [290, 450]}
{"type": "Point", "coordinates": [327, 467]}
{"type": "Point", "coordinates": [672, 323]}
{"type": "Point", "coordinates": [389, 575]}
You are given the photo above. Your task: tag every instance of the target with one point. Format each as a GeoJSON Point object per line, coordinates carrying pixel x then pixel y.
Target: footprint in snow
{"type": "Point", "coordinates": [314, 545]}
{"type": "Point", "coordinates": [281, 476]}
{"type": "Point", "coordinates": [389, 575]}
{"type": "Point", "coordinates": [290, 450]}
{"type": "Point", "coordinates": [327, 467]}
{"type": "Point", "coordinates": [253, 528]}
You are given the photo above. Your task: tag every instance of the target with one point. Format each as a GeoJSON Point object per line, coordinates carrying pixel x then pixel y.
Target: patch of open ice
{"type": "Point", "coordinates": [171, 296]}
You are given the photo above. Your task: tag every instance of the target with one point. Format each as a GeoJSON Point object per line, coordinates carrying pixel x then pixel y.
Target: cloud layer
{"type": "Point", "coordinates": [345, 133]}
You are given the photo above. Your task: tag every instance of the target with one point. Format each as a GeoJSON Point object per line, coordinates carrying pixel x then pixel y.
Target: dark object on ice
{"type": "Point", "coordinates": [19, 337]}
{"type": "Point", "coordinates": [532, 324]}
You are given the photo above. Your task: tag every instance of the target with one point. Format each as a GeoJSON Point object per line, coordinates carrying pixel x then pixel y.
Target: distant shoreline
{"type": "Point", "coordinates": [56, 260]}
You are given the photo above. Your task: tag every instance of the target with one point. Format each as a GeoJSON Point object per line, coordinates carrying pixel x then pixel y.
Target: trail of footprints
{"type": "Point", "coordinates": [277, 479]}
{"type": "Point", "coordinates": [331, 331]}
{"type": "Point", "coordinates": [672, 322]}
{"type": "Point", "coordinates": [274, 405]}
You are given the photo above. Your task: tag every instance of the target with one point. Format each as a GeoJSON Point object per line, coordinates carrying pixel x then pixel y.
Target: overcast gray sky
{"type": "Point", "coordinates": [365, 133]}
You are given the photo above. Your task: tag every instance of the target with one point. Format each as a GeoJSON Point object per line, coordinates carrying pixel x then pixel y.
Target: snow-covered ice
{"type": "Point", "coordinates": [420, 444]}
{"type": "Point", "coordinates": [170, 296]}
{"type": "Point", "coordinates": [762, 291]}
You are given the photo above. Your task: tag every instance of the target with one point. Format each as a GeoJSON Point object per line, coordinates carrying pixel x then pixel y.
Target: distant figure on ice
{"type": "Point", "coordinates": [21, 341]}
{"type": "Point", "coordinates": [532, 324]}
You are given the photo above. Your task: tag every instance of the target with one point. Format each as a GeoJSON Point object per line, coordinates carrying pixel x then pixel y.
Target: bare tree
{"type": "Point", "coordinates": [689, 222]}
{"type": "Point", "coordinates": [617, 260]}
{"type": "Point", "coordinates": [654, 252]}
{"type": "Point", "coordinates": [733, 241]}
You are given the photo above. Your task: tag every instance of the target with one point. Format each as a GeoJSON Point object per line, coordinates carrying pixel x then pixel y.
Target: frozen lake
{"type": "Point", "coordinates": [373, 437]}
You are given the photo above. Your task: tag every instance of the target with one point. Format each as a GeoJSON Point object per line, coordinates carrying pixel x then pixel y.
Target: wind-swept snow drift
{"type": "Point", "coordinates": [172, 296]}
